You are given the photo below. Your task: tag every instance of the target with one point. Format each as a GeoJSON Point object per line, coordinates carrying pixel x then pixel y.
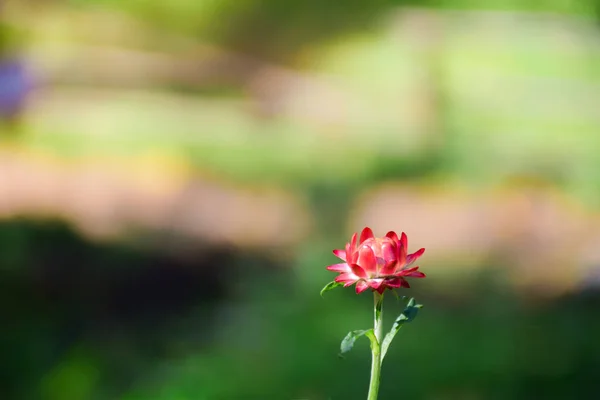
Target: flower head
{"type": "Point", "coordinates": [376, 263]}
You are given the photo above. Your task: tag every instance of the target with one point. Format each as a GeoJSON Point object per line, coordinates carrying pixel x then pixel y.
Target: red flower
{"type": "Point", "coordinates": [376, 263]}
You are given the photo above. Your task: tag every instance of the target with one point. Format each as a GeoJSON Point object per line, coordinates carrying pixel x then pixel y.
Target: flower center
{"type": "Point", "coordinates": [384, 251]}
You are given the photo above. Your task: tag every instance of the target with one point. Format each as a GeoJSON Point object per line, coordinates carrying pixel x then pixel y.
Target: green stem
{"type": "Point", "coordinates": [376, 347]}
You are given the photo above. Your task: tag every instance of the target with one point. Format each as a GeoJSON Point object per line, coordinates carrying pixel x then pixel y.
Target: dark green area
{"type": "Point", "coordinates": [83, 320]}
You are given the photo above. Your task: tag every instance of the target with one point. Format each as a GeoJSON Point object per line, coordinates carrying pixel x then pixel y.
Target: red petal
{"type": "Point", "coordinates": [406, 271]}
{"type": "Point", "coordinates": [392, 235]}
{"type": "Point", "coordinates": [389, 268]}
{"type": "Point", "coordinates": [367, 260]}
{"type": "Point", "coordinates": [367, 233]}
{"type": "Point", "coordinates": [375, 283]}
{"type": "Point", "coordinates": [361, 286]}
{"type": "Point", "coordinates": [341, 254]}
{"type": "Point", "coordinates": [404, 240]}
{"type": "Point", "coordinates": [381, 289]}
{"type": "Point", "coordinates": [393, 282]}
{"type": "Point", "coordinates": [353, 243]}
{"type": "Point", "coordinates": [412, 272]}
{"type": "Point", "coordinates": [343, 267]}
{"type": "Point", "coordinates": [397, 282]}
{"type": "Point", "coordinates": [346, 277]}
{"type": "Point", "coordinates": [350, 254]}
{"type": "Point", "coordinates": [411, 258]}
{"type": "Point", "coordinates": [358, 271]}
{"type": "Point", "coordinates": [402, 246]}
{"type": "Point", "coordinates": [389, 251]}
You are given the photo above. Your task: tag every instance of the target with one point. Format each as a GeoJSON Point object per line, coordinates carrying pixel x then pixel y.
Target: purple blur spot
{"type": "Point", "coordinates": [15, 86]}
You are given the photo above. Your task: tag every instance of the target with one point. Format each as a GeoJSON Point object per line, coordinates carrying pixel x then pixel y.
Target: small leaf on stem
{"type": "Point", "coordinates": [409, 314]}
{"type": "Point", "coordinates": [350, 338]}
{"type": "Point", "coordinates": [329, 286]}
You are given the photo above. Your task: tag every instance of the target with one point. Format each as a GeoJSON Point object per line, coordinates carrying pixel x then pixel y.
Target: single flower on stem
{"type": "Point", "coordinates": [377, 263]}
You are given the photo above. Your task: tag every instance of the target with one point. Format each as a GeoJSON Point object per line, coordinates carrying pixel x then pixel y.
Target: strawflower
{"type": "Point", "coordinates": [377, 263]}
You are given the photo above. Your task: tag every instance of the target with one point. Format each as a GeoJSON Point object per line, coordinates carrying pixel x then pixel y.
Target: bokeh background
{"type": "Point", "coordinates": [174, 175]}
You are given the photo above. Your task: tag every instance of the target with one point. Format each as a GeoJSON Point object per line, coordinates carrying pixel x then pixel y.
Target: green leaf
{"type": "Point", "coordinates": [411, 309]}
{"type": "Point", "coordinates": [408, 315]}
{"type": "Point", "coordinates": [348, 342]}
{"type": "Point", "coordinates": [329, 286]}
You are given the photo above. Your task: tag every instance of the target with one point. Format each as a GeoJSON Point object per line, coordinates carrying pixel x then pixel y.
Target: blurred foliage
{"type": "Point", "coordinates": [278, 30]}
{"type": "Point", "coordinates": [92, 323]}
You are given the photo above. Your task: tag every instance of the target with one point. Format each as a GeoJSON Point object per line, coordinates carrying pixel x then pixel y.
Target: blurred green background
{"type": "Point", "coordinates": [175, 174]}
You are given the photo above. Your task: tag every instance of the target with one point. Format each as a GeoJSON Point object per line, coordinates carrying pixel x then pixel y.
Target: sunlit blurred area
{"type": "Point", "coordinates": [174, 176]}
